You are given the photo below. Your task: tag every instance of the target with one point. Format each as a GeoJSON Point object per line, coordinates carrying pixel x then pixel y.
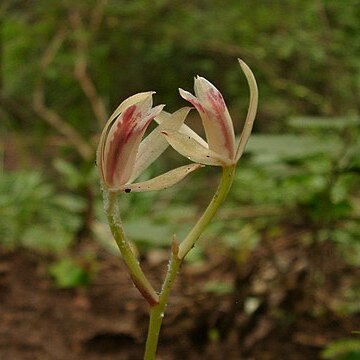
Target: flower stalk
{"type": "Point", "coordinates": [137, 275]}
{"type": "Point", "coordinates": [157, 311]}
{"type": "Point", "coordinates": [178, 254]}
{"type": "Point", "coordinates": [218, 198]}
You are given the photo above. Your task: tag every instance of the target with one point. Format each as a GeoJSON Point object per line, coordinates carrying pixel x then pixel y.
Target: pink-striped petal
{"type": "Point", "coordinates": [215, 117]}
{"type": "Point", "coordinates": [217, 122]}
{"type": "Point", "coordinates": [121, 138]}
{"type": "Point", "coordinates": [132, 100]}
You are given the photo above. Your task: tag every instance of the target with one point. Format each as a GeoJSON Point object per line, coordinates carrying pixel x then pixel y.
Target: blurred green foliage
{"type": "Point", "coordinates": [64, 66]}
{"type": "Point", "coordinates": [33, 214]}
{"type": "Point", "coordinates": [343, 349]}
{"type": "Point", "coordinates": [72, 273]}
{"type": "Point", "coordinates": [306, 62]}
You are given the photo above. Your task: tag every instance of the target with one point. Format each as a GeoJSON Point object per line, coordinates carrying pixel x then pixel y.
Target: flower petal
{"type": "Point", "coordinates": [163, 181]}
{"type": "Point", "coordinates": [193, 150]}
{"type": "Point", "coordinates": [186, 129]}
{"type": "Point", "coordinates": [193, 100]}
{"type": "Point", "coordinates": [134, 99]}
{"type": "Point", "coordinates": [122, 141]}
{"type": "Point", "coordinates": [216, 119]}
{"type": "Point", "coordinates": [250, 117]}
{"type": "Point", "coordinates": [155, 143]}
{"type": "Point", "coordinates": [190, 132]}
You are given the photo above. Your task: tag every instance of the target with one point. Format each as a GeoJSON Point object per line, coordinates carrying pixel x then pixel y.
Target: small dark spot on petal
{"type": "Point", "coordinates": [127, 190]}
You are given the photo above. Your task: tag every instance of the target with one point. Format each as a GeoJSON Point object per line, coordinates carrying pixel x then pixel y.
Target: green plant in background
{"type": "Point", "coordinates": [314, 174]}
{"type": "Point", "coordinates": [122, 157]}
{"type": "Point", "coordinates": [35, 215]}
{"type": "Point", "coordinates": [298, 175]}
{"type": "Point", "coordinates": [69, 272]}
{"type": "Point", "coordinates": [74, 41]}
{"type": "Point", "coordinates": [80, 179]}
{"type": "Point", "coordinates": [342, 349]}
{"type": "Point", "coordinates": [315, 42]}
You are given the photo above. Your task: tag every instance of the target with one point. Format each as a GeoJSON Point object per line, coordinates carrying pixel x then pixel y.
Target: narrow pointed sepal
{"type": "Point", "coordinates": [193, 150]}
{"type": "Point", "coordinates": [155, 143]}
{"type": "Point", "coordinates": [163, 181]}
{"type": "Point", "coordinates": [251, 114]}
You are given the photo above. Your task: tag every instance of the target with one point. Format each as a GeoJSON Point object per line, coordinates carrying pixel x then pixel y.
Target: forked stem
{"type": "Point", "coordinates": [157, 311]}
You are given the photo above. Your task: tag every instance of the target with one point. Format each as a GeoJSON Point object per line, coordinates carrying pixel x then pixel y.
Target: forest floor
{"type": "Point", "coordinates": [281, 302]}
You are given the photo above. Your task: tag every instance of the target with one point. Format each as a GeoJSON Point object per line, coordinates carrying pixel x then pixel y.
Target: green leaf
{"type": "Point", "coordinates": [67, 273]}
{"type": "Point", "coordinates": [275, 148]}
{"type": "Point", "coordinates": [323, 123]}
{"type": "Point", "coordinates": [219, 287]}
{"type": "Point", "coordinates": [148, 233]}
{"type": "Point", "coordinates": [343, 349]}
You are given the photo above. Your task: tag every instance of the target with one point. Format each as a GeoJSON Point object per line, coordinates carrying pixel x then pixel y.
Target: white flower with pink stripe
{"type": "Point", "coordinates": [220, 148]}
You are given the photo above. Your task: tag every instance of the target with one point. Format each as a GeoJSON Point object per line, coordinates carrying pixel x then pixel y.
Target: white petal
{"type": "Point", "coordinates": [175, 120]}
{"type": "Point", "coordinates": [250, 117]}
{"type": "Point", "coordinates": [190, 132]}
{"type": "Point", "coordinates": [192, 99]}
{"type": "Point", "coordinates": [163, 181]}
{"type": "Point", "coordinates": [202, 86]}
{"type": "Point", "coordinates": [134, 99]}
{"type": "Point", "coordinates": [215, 117]}
{"type": "Point", "coordinates": [184, 128]}
{"type": "Point", "coordinates": [193, 150]}
{"type": "Point", "coordinates": [155, 143]}
{"type": "Point", "coordinates": [149, 114]}
{"type": "Point", "coordinates": [123, 141]}
{"type": "Point", "coordinates": [163, 116]}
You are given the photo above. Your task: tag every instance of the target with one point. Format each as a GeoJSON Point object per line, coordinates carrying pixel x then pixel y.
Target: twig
{"type": "Point", "coordinates": [274, 78]}
{"type": "Point", "coordinates": [55, 120]}
{"type": "Point", "coordinates": [81, 69]}
{"type": "Point", "coordinates": [97, 16]}
{"type": "Point", "coordinates": [10, 105]}
{"type": "Point", "coordinates": [49, 115]}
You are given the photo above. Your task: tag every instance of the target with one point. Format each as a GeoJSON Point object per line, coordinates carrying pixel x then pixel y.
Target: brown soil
{"type": "Point", "coordinates": [278, 309]}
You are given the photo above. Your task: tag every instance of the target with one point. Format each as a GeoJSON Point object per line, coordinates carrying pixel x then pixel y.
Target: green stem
{"type": "Point", "coordinates": [178, 254]}
{"type": "Point", "coordinates": [136, 273]}
{"type": "Point", "coordinates": [157, 311]}
{"type": "Point", "coordinates": [218, 198]}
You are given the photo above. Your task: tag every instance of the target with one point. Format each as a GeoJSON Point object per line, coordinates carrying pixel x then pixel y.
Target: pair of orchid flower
{"type": "Point", "coordinates": [122, 154]}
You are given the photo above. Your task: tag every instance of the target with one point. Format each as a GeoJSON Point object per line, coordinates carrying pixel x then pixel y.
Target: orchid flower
{"type": "Point", "coordinates": [220, 148]}
{"type": "Point", "coordinates": [122, 156]}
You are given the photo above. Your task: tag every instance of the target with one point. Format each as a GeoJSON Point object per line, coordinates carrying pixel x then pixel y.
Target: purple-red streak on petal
{"type": "Point", "coordinates": [219, 107]}
{"type": "Point", "coordinates": [125, 126]}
